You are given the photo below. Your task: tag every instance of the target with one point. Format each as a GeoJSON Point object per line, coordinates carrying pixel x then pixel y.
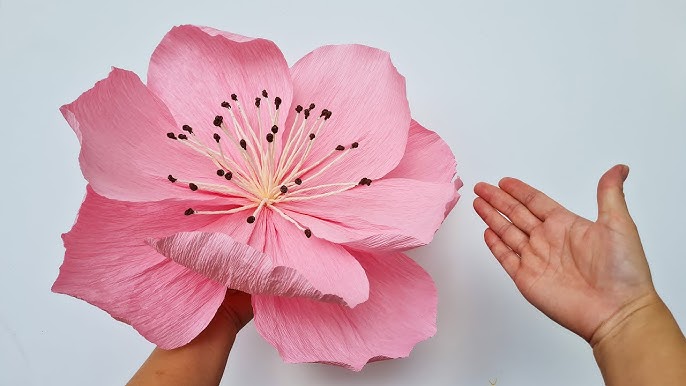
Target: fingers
{"type": "Point", "coordinates": [512, 236]}
{"type": "Point", "coordinates": [505, 256]}
{"type": "Point", "coordinates": [538, 203]}
{"type": "Point", "coordinates": [507, 205]}
{"type": "Point", "coordinates": [611, 192]}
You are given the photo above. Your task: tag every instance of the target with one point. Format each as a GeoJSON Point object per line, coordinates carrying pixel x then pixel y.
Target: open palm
{"type": "Point", "coordinates": [576, 271]}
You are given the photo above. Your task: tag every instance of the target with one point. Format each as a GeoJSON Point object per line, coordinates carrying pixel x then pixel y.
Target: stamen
{"type": "Point", "coordinates": [244, 144]}
{"type": "Point", "coordinates": [187, 128]}
{"type": "Point", "coordinates": [308, 233]}
{"type": "Point", "coordinates": [298, 181]}
{"type": "Point", "coordinates": [252, 218]}
{"type": "Point", "coordinates": [189, 212]}
{"type": "Point", "coordinates": [217, 138]}
{"type": "Point", "coordinates": [218, 120]}
{"type": "Point", "coordinates": [171, 178]}
{"type": "Point", "coordinates": [257, 102]}
{"type": "Point", "coordinates": [355, 145]}
{"type": "Point", "coordinates": [226, 105]}
{"type": "Point", "coordinates": [264, 94]}
{"type": "Point", "coordinates": [193, 186]}
{"type": "Point", "coordinates": [298, 109]}
{"type": "Point", "coordinates": [234, 97]}
{"type": "Point", "coordinates": [182, 136]}
{"type": "Point", "coordinates": [230, 211]}
{"type": "Point", "coordinates": [221, 172]}
{"type": "Point", "coordinates": [312, 136]}
{"type": "Point", "coordinates": [284, 189]}
{"type": "Point", "coordinates": [277, 102]}
{"type": "Point", "coordinates": [275, 129]}
{"type": "Point", "coordinates": [228, 176]}
{"type": "Point", "coordinates": [270, 137]}
{"type": "Point", "coordinates": [340, 147]}
{"type": "Point", "coordinates": [171, 135]}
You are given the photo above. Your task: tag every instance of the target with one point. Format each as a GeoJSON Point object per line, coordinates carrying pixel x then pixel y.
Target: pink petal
{"type": "Point", "coordinates": [291, 265]}
{"type": "Point", "coordinates": [391, 214]}
{"type": "Point", "coordinates": [125, 152]}
{"type": "Point", "coordinates": [195, 69]}
{"type": "Point", "coordinates": [108, 264]}
{"type": "Point", "coordinates": [400, 312]}
{"type": "Point", "coordinates": [427, 157]}
{"type": "Point", "coordinates": [366, 95]}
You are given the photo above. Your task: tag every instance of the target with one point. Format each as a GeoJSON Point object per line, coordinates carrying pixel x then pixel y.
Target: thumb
{"type": "Point", "coordinates": [611, 192]}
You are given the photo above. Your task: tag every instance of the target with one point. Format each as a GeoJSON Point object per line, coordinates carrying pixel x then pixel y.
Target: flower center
{"type": "Point", "coordinates": [254, 171]}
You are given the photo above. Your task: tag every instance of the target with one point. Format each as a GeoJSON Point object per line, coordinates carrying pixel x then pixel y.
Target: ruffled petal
{"type": "Point", "coordinates": [391, 214]}
{"type": "Point", "coordinates": [291, 265]}
{"type": "Point", "coordinates": [400, 312]}
{"type": "Point", "coordinates": [108, 264]}
{"type": "Point", "coordinates": [427, 157]}
{"type": "Point", "coordinates": [367, 98]}
{"type": "Point", "coordinates": [194, 69]}
{"type": "Point", "coordinates": [125, 152]}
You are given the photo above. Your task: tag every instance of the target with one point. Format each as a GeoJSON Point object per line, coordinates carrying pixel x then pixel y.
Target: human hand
{"type": "Point", "coordinates": [236, 310]}
{"type": "Point", "coordinates": [578, 272]}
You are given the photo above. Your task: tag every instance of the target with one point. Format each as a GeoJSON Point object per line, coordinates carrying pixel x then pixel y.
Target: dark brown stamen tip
{"type": "Point", "coordinates": [311, 106]}
{"type": "Point", "coordinates": [234, 97]}
{"type": "Point", "coordinates": [328, 115]}
{"type": "Point", "coordinates": [298, 109]}
{"type": "Point", "coordinates": [365, 181]}
{"type": "Point", "coordinates": [251, 219]}
{"type": "Point", "coordinates": [218, 120]}
{"type": "Point", "coordinates": [264, 94]}
{"type": "Point", "coordinates": [312, 136]}
{"type": "Point", "coordinates": [244, 144]}
{"type": "Point", "coordinates": [307, 113]}
{"type": "Point", "coordinates": [355, 145]}
{"type": "Point", "coordinates": [298, 181]}
{"type": "Point", "coordinates": [308, 233]}
{"type": "Point", "coordinates": [340, 147]}
{"type": "Point", "coordinates": [275, 129]}
{"type": "Point", "coordinates": [284, 189]}
{"type": "Point", "coordinates": [187, 128]}
{"type": "Point", "coordinates": [182, 136]}
{"type": "Point", "coordinates": [277, 102]}
{"type": "Point", "coordinates": [324, 113]}
{"type": "Point", "coordinates": [257, 102]}
{"type": "Point", "coordinates": [270, 137]}
{"type": "Point", "coordinates": [171, 178]}
{"type": "Point", "coordinates": [369, 182]}
{"type": "Point", "coordinates": [221, 172]}
{"type": "Point", "coordinates": [171, 135]}
{"type": "Point", "coordinates": [193, 186]}
{"type": "Point", "coordinates": [228, 175]}
{"type": "Point", "coordinates": [226, 105]}
{"type": "Point", "coordinates": [189, 212]}
{"type": "Point", "coordinates": [216, 137]}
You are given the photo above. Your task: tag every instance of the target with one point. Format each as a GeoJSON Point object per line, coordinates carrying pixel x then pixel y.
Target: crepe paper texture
{"type": "Point", "coordinates": [229, 170]}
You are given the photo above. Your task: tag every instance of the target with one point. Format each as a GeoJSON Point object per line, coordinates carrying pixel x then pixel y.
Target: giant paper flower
{"type": "Point", "coordinates": [300, 186]}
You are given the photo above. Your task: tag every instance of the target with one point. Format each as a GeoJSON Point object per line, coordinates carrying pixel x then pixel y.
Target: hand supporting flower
{"type": "Point", "coordinates": [299, 186]}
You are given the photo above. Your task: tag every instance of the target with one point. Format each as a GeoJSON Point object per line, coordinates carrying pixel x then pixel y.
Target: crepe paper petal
{"type": "Point", "coordinates": [194, 69]}
{"type": "Point", "coordinates": [291, 265]}
{"type": "Point", "coordinates": [393, 214]}
{"type": "Point", "coordinates": [125, 152]}
{"type": "Point", "coordinates": [366, 95]}
{"type": "Point", "coordinates": [427, 157]}
{"type": "Point", "coordinates": [108, 264]}
{"type": "Point", "coordinates": [400, 312]}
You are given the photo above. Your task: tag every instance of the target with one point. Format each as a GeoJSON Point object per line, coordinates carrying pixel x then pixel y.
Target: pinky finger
{"type": "Point", "coordinates": [505, 256]}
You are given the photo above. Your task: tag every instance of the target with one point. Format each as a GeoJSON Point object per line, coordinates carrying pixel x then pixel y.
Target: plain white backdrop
{"type": "Point", "coordinates": [551, 92]}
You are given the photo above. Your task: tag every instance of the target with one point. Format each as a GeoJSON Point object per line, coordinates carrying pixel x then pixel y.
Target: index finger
{"type": "Point", "coordinates": [536, 201]}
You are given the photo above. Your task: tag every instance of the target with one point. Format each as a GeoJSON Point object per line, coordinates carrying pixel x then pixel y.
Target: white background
{"type": "Point", "coordinates": [551, 92]}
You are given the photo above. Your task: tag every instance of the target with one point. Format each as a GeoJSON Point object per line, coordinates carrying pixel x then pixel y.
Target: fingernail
{"type": "Point", "coordinates": [625, 172]}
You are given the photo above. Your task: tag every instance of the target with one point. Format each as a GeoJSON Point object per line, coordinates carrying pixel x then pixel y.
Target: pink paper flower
{"type": "Point", "coordinates": [298, 185]}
